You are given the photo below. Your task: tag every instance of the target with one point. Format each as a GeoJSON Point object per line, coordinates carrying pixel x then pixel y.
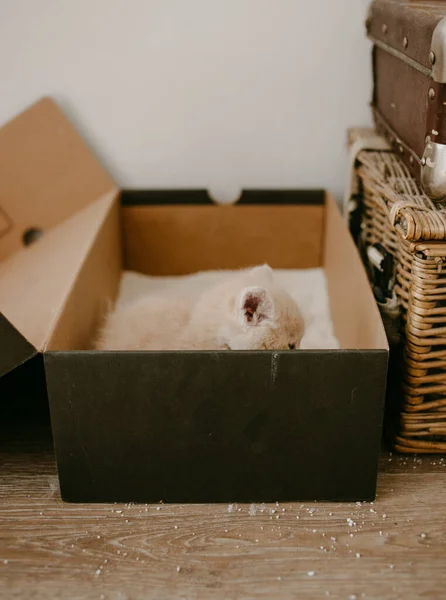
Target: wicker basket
{"type": "Point", "coordinates": [402, 235]}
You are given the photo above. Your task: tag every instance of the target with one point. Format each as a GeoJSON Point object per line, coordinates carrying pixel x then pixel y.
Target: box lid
{"type": "Point", "coordinates": [412, 31]}
{"type": "Point", "coordinates": [47, 173]}
{"type": "Point", "coordinates": [50, 184]}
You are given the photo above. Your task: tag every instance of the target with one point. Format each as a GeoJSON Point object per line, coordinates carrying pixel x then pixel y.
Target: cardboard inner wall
{"type": "Point", "coordinates": [356, 319]}
{"type": "Point", "coordinates": [183, 239]}
{"type": "Point", "coordinates": [94, 290]}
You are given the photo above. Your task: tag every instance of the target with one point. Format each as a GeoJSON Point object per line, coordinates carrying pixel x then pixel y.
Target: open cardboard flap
{"type": "Point", "coordinates": [36, 281]}
{"type": "Point", "coordinates": [47, 175]}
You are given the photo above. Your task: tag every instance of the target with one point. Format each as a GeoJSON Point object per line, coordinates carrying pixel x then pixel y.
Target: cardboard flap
{"type": "Point", "coordinates": [47, 173]}
{"type": "Point", "coordinates": [35, 282]}
{"type": "Point", "coordinates": [14, 348]}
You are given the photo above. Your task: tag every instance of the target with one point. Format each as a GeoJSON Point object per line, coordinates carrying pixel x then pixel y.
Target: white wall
{"type": "Point", "coordinates": [207, 93]}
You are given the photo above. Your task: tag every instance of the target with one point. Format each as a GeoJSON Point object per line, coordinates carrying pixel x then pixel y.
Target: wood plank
{"type": "Point", "coordinates": [393, 548]}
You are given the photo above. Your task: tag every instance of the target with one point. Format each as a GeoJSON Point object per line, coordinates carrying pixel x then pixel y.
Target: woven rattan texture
{"type": "Point", "coordinates": [397, 215]}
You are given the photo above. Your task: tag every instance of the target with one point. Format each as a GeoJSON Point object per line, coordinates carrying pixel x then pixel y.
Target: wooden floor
{"type": "Point", "coordinates": [394, 548]}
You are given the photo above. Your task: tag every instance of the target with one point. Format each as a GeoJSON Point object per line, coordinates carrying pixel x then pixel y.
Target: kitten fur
{"type": "Point", "coordinates": [248, 310]}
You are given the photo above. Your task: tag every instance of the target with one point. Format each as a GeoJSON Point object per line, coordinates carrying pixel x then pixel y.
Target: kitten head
{"type": "Point", "coordinates": [261, 315]}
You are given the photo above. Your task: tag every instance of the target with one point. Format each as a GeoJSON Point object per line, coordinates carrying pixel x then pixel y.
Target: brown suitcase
{"type": "Point", "coordinates": [409, 98]}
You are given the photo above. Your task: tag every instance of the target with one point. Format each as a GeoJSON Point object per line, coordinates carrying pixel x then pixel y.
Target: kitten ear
{"type": "Point", "coordinates": [264, 271]}
{"type": "Point", "coordinates": [255, 306]}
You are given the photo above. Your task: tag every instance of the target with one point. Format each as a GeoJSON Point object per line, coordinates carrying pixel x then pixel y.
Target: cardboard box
{"type": "Point", "coordinates": [181, 426]}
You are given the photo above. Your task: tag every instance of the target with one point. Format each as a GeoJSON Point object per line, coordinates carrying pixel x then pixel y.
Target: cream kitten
{"type": "Point", "coordinates": [248, 310]}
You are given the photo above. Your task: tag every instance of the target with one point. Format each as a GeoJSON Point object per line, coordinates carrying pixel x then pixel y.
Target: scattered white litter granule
{"type": "Point", "coordinates": [352, 597]}
{"type": "Point", "coordinates": [391, 566]}
{"type": "Point", "coordinates": [330, 514]}
{"type": "Point", "coordinates": [423, 535]}
{"type": "Point", "coordinates": [252, 510]}
{"type": "Point", "coordinates": [372, 510]}
{"type": "Point", "coordinates": [277, 516]}
{"type": "Point", "coordinates": [380, 532]}
{"type": "Point", "coordinates": [158, 508]}
{"type": "Point", "coordinates": [175, 526]}
{"type": "Point", "coordinates": [5, 562]}
{"type": "Point", "coordinates": [310, 573]}
{"type": "Point", "coordinates": [314, 530]}
{"type": "Point", "coordinates": [257, 540]}
{"type": "Point", "coordinates": [178, 569]}
{"type": "Point", "coordinates": [350, 522]}
{"type": "Point", "coordinates": [358, 555]}
{"type": "Point", "coordinates": [384, 516]}
{"type": "Point", "coordinates": [261, 527]}
{"type": "Point", "coordinates": [297, 517]}
{"type": "Point", "coordinates": [118, 512]}
{"type": "Point", "coordinates": [350, 534]}
{"type": "Point", "coordinates": [333, 539]}
{"type": "Point", "coordinates": [358, 504]}
{"type": "Point", "coordinates": [98, 571]}
{"type": "Point", "coordinates": [273, 510]}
